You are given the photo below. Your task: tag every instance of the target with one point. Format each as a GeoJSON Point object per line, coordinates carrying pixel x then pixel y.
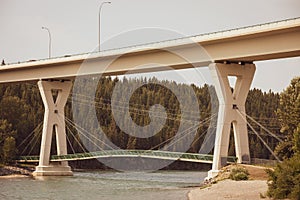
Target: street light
{"type": "Point", "coordinates": [49, 40]}
{"type": "Point", "coordinates": [106, 2]}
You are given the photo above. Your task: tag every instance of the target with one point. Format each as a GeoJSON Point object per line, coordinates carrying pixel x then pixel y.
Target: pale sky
{"type": "Point", "coordinates": [74, 28]}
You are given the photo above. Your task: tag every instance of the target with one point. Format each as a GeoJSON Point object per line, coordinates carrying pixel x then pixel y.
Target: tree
{"type": "Point", "coordinates": [6, 131]}
{"type": "Point", "coordinates": [284, 181]}
{"type": "Point", "coordinates": [296, 140]}
{"type": "Point", "coordinates": [131, 143]}
{"type": "Point", "coordinates": [289, 114]}
{"type": "Point", "coordinates": [9, 149]}
{"type": "Point", "coordinates": [15, 111]}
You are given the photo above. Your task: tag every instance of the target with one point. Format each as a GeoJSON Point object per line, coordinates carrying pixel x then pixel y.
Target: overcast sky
{"type": "Point", "coordinates": [74, 28]}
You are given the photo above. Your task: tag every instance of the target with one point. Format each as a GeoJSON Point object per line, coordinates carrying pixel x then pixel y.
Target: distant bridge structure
{"type": "Point", "coordinates": [164, 155]}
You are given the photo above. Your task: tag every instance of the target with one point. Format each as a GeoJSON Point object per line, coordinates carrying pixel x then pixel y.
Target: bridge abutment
{"type": "Point", "coordinates": [231, 112]}
{"type": "Point", "coordinates": [54, 121]}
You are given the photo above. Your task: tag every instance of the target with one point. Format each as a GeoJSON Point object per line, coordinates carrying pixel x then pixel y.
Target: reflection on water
{"type": "Point", "coordinates": [104, 185]}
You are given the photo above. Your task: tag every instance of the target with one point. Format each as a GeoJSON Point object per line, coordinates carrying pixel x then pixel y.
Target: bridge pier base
{"type": "Point", "coordinates": [230, 103]}
{"type": "Point", "coordinates": [54, 121]}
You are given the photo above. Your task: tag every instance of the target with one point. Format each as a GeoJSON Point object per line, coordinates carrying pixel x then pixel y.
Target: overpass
{"type": "Point", "coordinates": [254, 43]}
{"type": "Point", "coordinates": [227, 53]}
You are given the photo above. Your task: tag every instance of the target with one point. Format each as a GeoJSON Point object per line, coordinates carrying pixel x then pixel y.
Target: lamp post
{"type": "Point", "coordinates": [47, 29]}
{"type": "Point", "coordinates": [99, 14]}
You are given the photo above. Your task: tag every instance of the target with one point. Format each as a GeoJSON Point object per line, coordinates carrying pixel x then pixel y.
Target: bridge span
{"type": "Point", "coordinates": [154, 154]}
{"type": "Point", "coordinates": [254, 43]}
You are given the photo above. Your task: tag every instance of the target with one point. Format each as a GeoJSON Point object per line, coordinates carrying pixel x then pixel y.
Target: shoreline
{"type": "Point", "coordinates": [223, 188]}
{"type": "Point", "coordinates": [9, 171]}
{"type": "Point", "coordinates": [13, 176]}
{"type": "Point", "coordinates": [231, 190]}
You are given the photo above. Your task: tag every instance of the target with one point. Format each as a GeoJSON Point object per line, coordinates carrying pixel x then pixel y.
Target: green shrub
{"type": "Point", "coordinates": [284, 181]}
{"type": "Point", "coordinates": [239, 174]}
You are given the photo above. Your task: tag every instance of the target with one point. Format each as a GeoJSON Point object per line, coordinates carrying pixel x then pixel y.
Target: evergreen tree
{"type": "Point", "coordinates": [289, 115]}
{"type": "Point", "coordinates": [296, 140]}
{"type": "Point", "coordinates": [284, 181]}
{"type": "Point", "coordinates": [6, 132]}
{"type": "Point", "coordinates": [9, 149]}
{"type": "Point", "coordinates": [131, 143]}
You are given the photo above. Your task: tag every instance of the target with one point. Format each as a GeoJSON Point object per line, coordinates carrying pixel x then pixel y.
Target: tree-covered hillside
{"type": "Point", "coordinates": [21, 113]}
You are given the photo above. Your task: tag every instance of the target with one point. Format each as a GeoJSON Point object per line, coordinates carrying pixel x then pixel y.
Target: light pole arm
{"type": "Point", "coordinates": [50, 40]}
{"type": "Point", "coordinates": [99, 21]}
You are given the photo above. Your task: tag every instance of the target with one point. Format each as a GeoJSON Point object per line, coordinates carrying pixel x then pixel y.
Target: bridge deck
{"type": "Point", "coordinates": [260, 42]}
{"type": "Point", "coordinates": [165, 155]}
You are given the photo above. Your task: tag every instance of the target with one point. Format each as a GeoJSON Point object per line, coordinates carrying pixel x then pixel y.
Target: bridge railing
{"type": "Point", "coordinates": [129, 153]}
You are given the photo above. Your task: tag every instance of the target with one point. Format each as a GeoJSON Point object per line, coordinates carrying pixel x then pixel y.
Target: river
{"type": "Point", "coordinates": [104, 185]}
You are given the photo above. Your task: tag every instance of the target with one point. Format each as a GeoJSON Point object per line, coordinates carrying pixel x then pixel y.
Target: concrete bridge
{"type": "Point", "coordinates": [227, 53]}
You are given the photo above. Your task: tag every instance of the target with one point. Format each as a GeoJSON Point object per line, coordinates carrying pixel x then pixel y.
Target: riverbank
{"type": "Point", "coordinates": [7, 172]}
{"type": "Point", "coordinates": [224, 188]}
{"type": "Point", "coordinates": [233, 190]}
{"type": "Point", "coordinates": [14, 176]}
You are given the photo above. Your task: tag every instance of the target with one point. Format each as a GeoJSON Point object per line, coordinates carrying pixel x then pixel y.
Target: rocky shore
{"type": "Point", "coordinates": [14, 171]}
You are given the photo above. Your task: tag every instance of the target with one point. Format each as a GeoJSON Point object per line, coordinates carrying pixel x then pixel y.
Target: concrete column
{"type": "Point", "coordinates": [54, 120]}
{"type": "Point", "coordinates": [229, 104]}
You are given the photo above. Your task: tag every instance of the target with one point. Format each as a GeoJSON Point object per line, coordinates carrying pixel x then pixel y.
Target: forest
{"type": "Point", "coordinates": [22, 110]}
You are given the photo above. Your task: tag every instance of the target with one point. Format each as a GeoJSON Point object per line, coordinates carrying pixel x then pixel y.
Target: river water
{"type": "Point", "coordinates": [104, 185]}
